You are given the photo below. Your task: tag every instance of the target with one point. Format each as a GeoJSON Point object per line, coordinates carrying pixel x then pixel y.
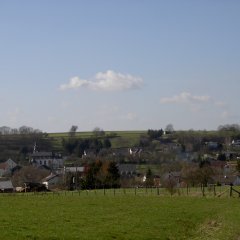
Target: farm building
{"type": "Point", "coordinates": [52, 180]}
{"type": "Point", "coordinates": [6, 186]}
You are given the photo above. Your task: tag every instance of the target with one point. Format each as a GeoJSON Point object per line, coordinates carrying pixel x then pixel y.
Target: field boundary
{"type": "Point", "coordinates": [223, 192]}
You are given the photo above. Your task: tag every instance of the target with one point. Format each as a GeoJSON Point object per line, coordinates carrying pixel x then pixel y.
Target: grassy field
{"type": "Point", "coordinates": [118, 138]}
{"type": "Point", "coordinates": [98, 216]}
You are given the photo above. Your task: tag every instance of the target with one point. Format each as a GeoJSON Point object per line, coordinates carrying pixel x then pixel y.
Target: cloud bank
{"type": "Point", "coordinates": [105, 81]}
{"type": "Point", "coordinates": [185, 97]}
{"type": "Point", "coordinates": [198, 102]}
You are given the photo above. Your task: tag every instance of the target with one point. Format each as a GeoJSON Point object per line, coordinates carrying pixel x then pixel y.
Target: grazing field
{"type": "Point", "coordinates": [97, 216]}
{"type": "Point", "coordinates": [118, 139]}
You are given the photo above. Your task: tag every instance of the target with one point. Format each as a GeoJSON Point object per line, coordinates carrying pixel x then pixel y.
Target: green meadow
{"type": "Point", "coordinates": [89, 215]}
{"type": "Point", "coordinates": [119, 139]}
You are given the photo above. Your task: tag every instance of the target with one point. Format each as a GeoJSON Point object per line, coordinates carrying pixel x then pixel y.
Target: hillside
{"type": "Point", "coordinates": [18, 146]}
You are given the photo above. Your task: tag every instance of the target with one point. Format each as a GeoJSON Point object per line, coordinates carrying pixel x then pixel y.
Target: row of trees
{"type": "Point", "coordinates": [21, 130]}
{"type": "Point", "coordinates": [79, 147]}
{"type": "Point", "coordinates": [99, 174]}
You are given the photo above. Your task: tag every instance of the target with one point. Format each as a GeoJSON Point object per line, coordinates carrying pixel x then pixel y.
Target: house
{"type": "Point", "coordinates": [135, 151]}
{"type": "Point", "coordinates": [237, 181]}
{"type": "Point", "coordinates": [7, 167]}
{"type": "Point", "coordinates": [49, 159]}
{"type": "Point", "coordinates": [236, 143]}
{"type": "Point", "coordinates": [74, 170]}
{"type": "Point", "coordinates": [212, 145]}
{"type": "Point", "coordinates": [225, 180]}
{"type": "Point", "coordinates": [6, 186]}
{"type": "Point", "coordinates": [127, 170]}
{"type": "Point", "coordinates": [52, 180]}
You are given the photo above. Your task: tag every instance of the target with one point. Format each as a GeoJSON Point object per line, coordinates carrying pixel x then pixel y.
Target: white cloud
{"type": "Point", "coordinates": [74, 82]}
{"type": "Point", "coordinates": [105, 81]}
{"type": "Point", "coordinates": [220, 104]}
{"type": "Point", "coordinates": [185, 97]}
{"type": "Point", "coordinates": [130, 116]}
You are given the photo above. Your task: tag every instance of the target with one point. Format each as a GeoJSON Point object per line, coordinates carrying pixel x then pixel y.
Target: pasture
{"type": "Point", "coordinates": [118, 139]}
{"type": "Point", "coordinates": [104, 215]}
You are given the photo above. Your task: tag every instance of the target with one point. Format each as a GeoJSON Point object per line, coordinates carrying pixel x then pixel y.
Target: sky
{"type": "Point", "coordinates": [119, 65]}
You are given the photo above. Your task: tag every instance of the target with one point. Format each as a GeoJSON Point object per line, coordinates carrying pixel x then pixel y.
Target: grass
{"type": "Point", "coordinates": [95, 216]}
{"type": "Point", "coordinates": [118, 139]}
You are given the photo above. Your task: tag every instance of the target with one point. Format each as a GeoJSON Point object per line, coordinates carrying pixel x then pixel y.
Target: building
{"type": "Point", "coordinates": [236, 143]}
{"type": "Point", "coordinates": [6, 186]}
{"type": "Point", "coordinates": [74, 169]}
{"type": "Point", "coordinates": [127, 170]}
{"type": "Point", "coordinates": [49, 159]}
{"type": "Point", "coordinates": [52, 180]}
{"type": "Point", "coordinates": [7, 167]}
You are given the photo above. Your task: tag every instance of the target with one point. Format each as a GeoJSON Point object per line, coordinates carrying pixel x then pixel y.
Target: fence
{"type": "Point", "coordinates": [200, 191]}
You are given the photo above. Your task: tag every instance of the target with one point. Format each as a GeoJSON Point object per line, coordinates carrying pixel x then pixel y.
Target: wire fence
{"type": "Point", "coordinates": [200, 191]}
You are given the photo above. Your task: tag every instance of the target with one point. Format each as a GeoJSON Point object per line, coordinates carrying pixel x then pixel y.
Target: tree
{"type": "Point", "coordinates": [189, 172]}
{"type": "Point", "coordinates": [113, 176]}
{"type": "Point", "coordinates": [107, 143]}
{"type": "Point", "coordinates": [170, 183]}
{"type": "Point", "coordinates": [25, 130]}
{"type": "Point", "coordinates": [222, 157]}
{"type": "Point", "coordinates": [29, 174]}
{"type": "Point", "coordinates": [169, 128]}
{"type": "Point", "coordinates": [229, 127]}
{"type": "Point", "coordinates": [73, 130]}
{"type": "Point", "coordinates": [149, 178]}
{"type": "Point", "coordinates": [204, 175]}
{"type": "Point", "coordinates": [91, 179]}
{"type": "Point", "coordinates": [238, 166]}
{"type": "Point", "coordinates": [154, 134]}
{"type": "Point", "coordinates": [98, 132]}
{"type": "Point", "coordinates": [83, 145]}
{"type": "Point", "coordinates": [70, 145]}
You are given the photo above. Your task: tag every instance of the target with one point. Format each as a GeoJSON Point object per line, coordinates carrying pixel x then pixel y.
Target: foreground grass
{"type": "Point", "coordinates": [118, 217]}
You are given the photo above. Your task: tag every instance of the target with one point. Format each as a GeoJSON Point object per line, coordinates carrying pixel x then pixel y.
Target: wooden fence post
{"type": "Point", "coordinates": [230, 191]}
{"type": "Point", "coordinates": [203, 190]}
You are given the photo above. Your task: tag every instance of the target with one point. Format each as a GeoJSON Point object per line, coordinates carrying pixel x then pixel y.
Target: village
{"type": "Point", "coordinates": [161, 159]}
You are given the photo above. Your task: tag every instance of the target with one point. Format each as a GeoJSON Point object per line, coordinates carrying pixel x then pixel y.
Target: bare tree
{"type": "Point", "coordinates": [169, 128]}
{"type": "Point", "coordinates": [98, 132]}
{"type": "Point", "coordinates": [73, 130]}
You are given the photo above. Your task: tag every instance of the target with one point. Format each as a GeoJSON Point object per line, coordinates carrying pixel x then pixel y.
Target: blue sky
{"type": "Point", "coordinates": [119, 65]}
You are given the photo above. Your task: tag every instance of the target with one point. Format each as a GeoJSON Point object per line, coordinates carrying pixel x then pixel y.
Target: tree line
{"type": "Point", "coordinates": [4, 130]}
